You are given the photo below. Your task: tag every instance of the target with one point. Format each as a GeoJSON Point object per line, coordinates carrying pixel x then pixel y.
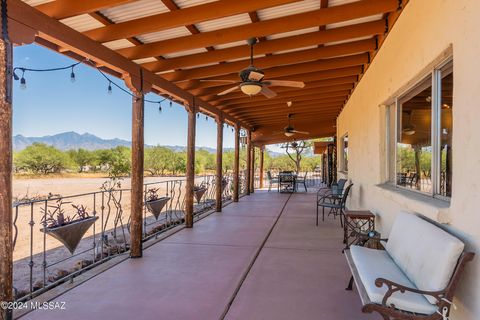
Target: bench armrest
{"type": "Point", "coordinates": [395, 287]}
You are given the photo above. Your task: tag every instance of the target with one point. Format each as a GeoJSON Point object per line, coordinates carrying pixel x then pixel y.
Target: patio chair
{"type": "Point", "coordinates": [336, 203]}
{"type": "Point", "coordinates": [301, 181]}
{"type": "Point", "coordinates": [271, 180]}
{"type": "Point", "coordinates": [336, 188]}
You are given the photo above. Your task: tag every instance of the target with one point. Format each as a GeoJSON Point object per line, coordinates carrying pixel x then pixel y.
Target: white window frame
{"type": "Point", "coordinates": [394, 110]}
{"type": "Point", "coordinates": [343, 161]}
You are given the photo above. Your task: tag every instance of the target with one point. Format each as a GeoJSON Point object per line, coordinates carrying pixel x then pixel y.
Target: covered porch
{"type": "Point", "coordinates": [260, 258]}
{"type": "Point", "coordinates": [368, 74]}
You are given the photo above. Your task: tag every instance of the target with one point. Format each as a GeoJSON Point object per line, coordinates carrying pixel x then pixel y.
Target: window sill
{"type": "Point", "coordinates": [426, 205]}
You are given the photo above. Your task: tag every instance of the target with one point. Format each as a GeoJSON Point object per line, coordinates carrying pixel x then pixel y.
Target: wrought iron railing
{"type": "Point", "coordinates": [49, 250]}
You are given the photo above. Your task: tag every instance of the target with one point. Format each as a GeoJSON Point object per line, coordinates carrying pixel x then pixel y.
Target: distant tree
{"type": "Point", "coordinates": [294, 151]}
{"type": "Point", "coordinates": [120, 162]}
{"type": "Point", "coordinates": [178, 163]}
{"type": "Point", "coordinates": [41, 158]}
{"type": "Point", "coordinates": [81, 158]}
{"type": "Point", "coordinates": [157, 160]}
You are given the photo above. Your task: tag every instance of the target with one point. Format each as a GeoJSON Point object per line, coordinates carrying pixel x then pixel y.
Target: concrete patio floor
{"type": "Point", "coordinates": [231, 265]}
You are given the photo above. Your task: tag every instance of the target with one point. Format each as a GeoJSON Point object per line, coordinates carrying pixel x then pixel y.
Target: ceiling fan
{"type": "Point", "coordinates": [289, 130]}
{"type": "Point", "coordinates": [251, 80]}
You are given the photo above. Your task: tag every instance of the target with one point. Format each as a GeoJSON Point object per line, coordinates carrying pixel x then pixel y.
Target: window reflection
{"type": "Point", "coordinates": [414, 145]}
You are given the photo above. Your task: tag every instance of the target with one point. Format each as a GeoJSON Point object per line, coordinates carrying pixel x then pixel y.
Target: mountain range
{"type": "Point", "coordinates": [73, 140]}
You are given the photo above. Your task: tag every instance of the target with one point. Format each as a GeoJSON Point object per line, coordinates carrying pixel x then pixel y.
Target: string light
{"type": "Point", "coordinates": [198, 115]}
{"type": "Point", "coordinates": [160, 107]}
{"type": "Point", "coordinates": [23, 81]}
{"type": "Point", "coordinates": [109, 89]}
{"type": "Point", "coordinates": [206, 118]}
{"type": "Point", "coordinates": [72, 76]}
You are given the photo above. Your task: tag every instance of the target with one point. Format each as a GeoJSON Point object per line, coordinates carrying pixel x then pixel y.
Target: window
{"type": "Point", "coordinates": [345, 153]}
{"type": "Point", "coordinates": [419, 135]}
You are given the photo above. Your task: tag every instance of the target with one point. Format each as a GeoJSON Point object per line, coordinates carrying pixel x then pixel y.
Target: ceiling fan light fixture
{"type": "Point", "coordinates": [289, 134]}
{"type": "Point", "coordinates": [251, 89]}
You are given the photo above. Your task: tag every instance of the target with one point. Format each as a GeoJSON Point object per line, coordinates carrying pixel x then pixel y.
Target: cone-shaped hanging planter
{"type": "Point", "coordinates": [71, 234]}
{"type": "Point", "coordinates": [156, 206]}
{"type": "Point", "coordinates": [199, 192]}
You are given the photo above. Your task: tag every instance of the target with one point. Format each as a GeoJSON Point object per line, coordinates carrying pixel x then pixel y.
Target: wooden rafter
{"type": "Point", "coordinates": [61, 9]}
{"type": "Point", "coordinates": [330, 15]}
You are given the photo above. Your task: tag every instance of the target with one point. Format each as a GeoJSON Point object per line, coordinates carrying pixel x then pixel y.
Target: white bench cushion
{"type": "Point", "coordinates": [425, 253]}
{"type": "Point", "coordinates": [372, 264]}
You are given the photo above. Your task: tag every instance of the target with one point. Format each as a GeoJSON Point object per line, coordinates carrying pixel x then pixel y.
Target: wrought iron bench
{"type": "Point", "coordinates": [415, 276]}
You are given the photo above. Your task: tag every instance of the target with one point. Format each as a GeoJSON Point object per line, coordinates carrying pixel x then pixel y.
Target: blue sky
{"type": "Point", "coordinates": [51, 104]}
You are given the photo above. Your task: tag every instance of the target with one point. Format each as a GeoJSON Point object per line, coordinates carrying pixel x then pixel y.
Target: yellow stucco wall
{"type": "Point", "coordinates": [425, 29]}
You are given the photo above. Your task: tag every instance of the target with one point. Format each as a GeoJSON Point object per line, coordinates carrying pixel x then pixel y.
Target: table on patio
{"type": "Point", "coordinates": [287, 181]}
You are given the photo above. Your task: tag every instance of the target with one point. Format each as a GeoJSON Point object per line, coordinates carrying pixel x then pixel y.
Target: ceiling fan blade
{"type": "Point", "coordinates": [255, 76]}
{"type": "Point", "coordinates": [285, 83]}
{"type": "Point", "coordinates": [220, 81]}
{"type": "Point", "coordinates": [300, 132]}
{"type": "Point", "coordinates": [228, 91]}
{"type": "Point", "coordinates": [268, 92]}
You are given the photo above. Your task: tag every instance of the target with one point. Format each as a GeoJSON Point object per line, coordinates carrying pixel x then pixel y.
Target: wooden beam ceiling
{"type": "Point", "coordinates": [287, 43]}
{"type": "Point", "coordinates": [274, 60]}
{"type": "Point", "coordinates": [284, 100]}
{"type": "Point", "coordinates": [293, 94]}
{"type": "Point", "coordinates": [310, 19]}
{"type": "Point", "coordinates": [202, 88]}
{"type": "Point", "coordinates": [178, 18]}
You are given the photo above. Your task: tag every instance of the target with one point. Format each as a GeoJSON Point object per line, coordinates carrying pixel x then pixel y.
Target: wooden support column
{"type": "Point", "coordinates": [137, 198]}
{"type": "Point", "coordinates": [252, 168]}
{"type": "Point", "coordinates": [236, 164]}
{"type": "Point", "coordinates": [6, 244]}
{"type": "Point", "coordinates": [248, 175]}
{"type": "Point", "coordinates": [192, 122]}
{"type": "Point", "coordinates": [219, 175]}
{"type": "Point", "coordinates": [262, 154]}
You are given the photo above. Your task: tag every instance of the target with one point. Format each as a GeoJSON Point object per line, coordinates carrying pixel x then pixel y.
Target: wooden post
{"type": "Point", "coordinates": [252, 168]}
{"type": "Point", "coordinates": [192, 122]}
{"type": "Point", "coordinates": [219, 175]}
{"type": "Point", "coordinates": [249, 163]}
{"type": "Point", "coordinates": [236, 164]}
{"type": "Point", "coordinates": [137, 199]}
{"type": "Point", "coordinates": [6, 244]}
{"type": "Point", "coordinates": [262, 154]}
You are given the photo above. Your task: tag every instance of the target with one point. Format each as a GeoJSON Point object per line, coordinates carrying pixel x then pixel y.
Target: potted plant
{"type": "Point", "coordinates": [199, 191]}
{"type": "Point", "coordinates": [154, 203]}
{"type": "Point", "coordinates": [68, 230]}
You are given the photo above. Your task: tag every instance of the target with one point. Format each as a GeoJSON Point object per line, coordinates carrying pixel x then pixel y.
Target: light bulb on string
{"type": "Point", "coordinates": [171, 103]}
{"type": "Point", "coordinates": [198, 115]}
{"type": "Point", "coordinates": [72, 76]}
{"type": "Point", "coordinates": [109, 89]}
{"type": "Point", "coordinates": [23, 82]}
{"type": "Point", "coordinates": [159, 107]}
{"type": "Point", "coordinates": [206, 118]}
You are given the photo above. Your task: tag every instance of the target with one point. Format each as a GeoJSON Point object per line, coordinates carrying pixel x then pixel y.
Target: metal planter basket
{"type": "Point", "coordinates": [156, 206]}
{"type": "Point", "coordinates": [198, 193]}
{"type": "Point", "coordinates": [71, 234]}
